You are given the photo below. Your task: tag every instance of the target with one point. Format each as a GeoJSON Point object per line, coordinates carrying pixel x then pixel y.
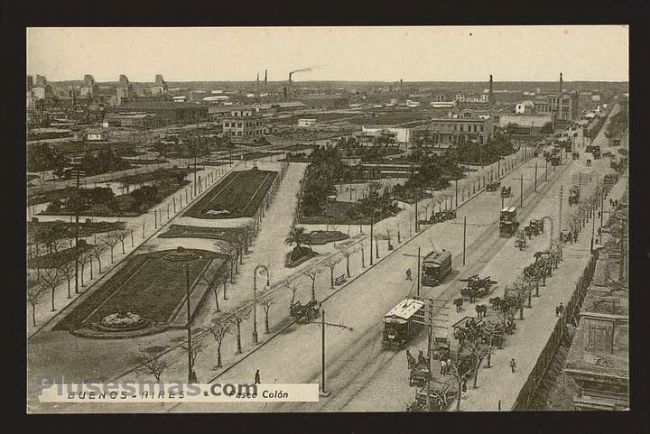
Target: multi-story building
{"type": "Point", "coordinates": [243, 125]}
{"type": "Point", "coordinates": [169, 112]}
{"type": "Point", "coordinates": [443, 134]}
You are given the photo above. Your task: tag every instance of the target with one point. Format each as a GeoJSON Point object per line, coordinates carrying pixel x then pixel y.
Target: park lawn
{"type": "Point", "coordinates": [241, 193]}
{"type": "Point", "coordinates": [183, 231]}
{"type": "Point", "coordinates": [338, 213]}
{"type": "Point", "coordinates": [147, 285]}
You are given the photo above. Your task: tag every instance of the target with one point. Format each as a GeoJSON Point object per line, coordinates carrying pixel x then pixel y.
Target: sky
{"type": "Point", "coordinates": [420, 53]}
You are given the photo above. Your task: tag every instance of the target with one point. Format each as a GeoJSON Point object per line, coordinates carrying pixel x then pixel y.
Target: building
{"type": "Point", "coordinates": [526, 123]}
{"type": "Point", "coordinates": [525, 107]}
{"type": "Point", "coordinates": [243, 125]}
{"type": "Point", "coordinates": [444, 133]}
{"type": "Point", "coordinates": [160, 86]}
{"type": "Point", "coordinates": [169, 112]}
{"type": "Point", "coordinates": [96, 136]}
{"type": "Point", "coordinates": [402, 136]}
{"type": "Point", "coordinates": [305, 123]}
{"type": "Point", "coordinates": [132, 120]}
{"type": "Point", "coordinates": [325, 102]}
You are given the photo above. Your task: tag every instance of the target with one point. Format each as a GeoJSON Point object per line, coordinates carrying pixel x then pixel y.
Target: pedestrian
{"type": "Point", "coordinates": [408, 274]}
{"type": "Point", "coordinates": [448, 364]}
{"type": "Point", "coordinates": [464, 384]}
{"type": "Point", "coordinates": [575, 236]}
{"type": "Point", "coordinates": [513, 364]}
{"type": "Point", "coordinates": [257, 377]}
{"type": "Point", "coordinates": [561, 308]}
{"type": "Point", "coordinates": [557, 311]}
{"type": "Point", "coordinates": [443, 367]}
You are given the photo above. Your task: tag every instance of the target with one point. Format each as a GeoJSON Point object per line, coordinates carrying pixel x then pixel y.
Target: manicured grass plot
{"type": "Point", "coordinates": [149, 285]}
{"type": "Point", "coordinates": [239, 194]}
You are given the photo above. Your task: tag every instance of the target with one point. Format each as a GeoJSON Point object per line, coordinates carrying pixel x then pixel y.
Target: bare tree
{"type": "Point", "coordinates": [230, 255]}
{"type": "Point", "coordinates": [152, 362]}
{"type": "Point", "coordinates": [88, 256]}
{"type": "Point", "coordinates": [266, 300]}
{"type": "Point", "coordinates": [197, 348]}
{"type": "Point", "coordinates": [294, 289]}
{"type": "Point", "coordinates": [220, 328]}
{"type": "Point", "coordinates": [121, 235]}
{"type": "Point", "coordinates": [111, 239]}
{"type": "Point", "coordinates": [237, 318]}
{"type": "Point", "coordinates": [312, 273]}
{"type": "Point", "coordinates": [67, 271]}
{"type": "Point", "coordinates": [97, 251]}
{"type": "Point", "coordinates": [331, 264]}
{"type": "Point", "coordinates": [460, 373]}
{"type": "Point", "coordinates": [33, 292]}
{"type": "Point", "coordinates": [50, 279]}
{"type": "Point", "coordinates": [347, 253]}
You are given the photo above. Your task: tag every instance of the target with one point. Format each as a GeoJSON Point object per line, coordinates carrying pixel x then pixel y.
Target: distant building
{"type": "Point", "coordinates": [243, 125]}
{"type": "Point", "coordinates": [169, 112]}
{"type": "Point", "coordinates": [445, 133]}
{"type": "Point", "coordinates": [526, 123]}
{"type": "Point", "coordinates": [96, 136]}
{"type": "Point", "coordinates": [160, 86]}
{"type": "Point", "coordinates": [131, 119]}
{"type": "Point", "coordinates": [305, 123]}
{"type": "Point", "coordinates": [325, 102]}
{"type": "Point", "coordinates": [525, 107]}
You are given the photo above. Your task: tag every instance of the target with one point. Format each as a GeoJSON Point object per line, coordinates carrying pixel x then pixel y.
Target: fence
{"type": "Point", "coordinates": [548, 353]}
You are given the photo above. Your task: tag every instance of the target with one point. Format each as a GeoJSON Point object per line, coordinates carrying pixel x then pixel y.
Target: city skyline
{"type": "Point", "coordinates": [383, 54]}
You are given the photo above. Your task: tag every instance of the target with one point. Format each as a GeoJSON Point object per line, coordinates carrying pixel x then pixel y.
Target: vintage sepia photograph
{"type": "Point", "coordinates": [327, 219]}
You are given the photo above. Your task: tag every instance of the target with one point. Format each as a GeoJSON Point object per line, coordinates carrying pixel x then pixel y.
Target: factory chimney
{"type": "Point", "coordinates": [265, 77]}
{"type": "Point", "coordinates": [560, 83]}
{"type": "Point", "coordinates": [491, 94]}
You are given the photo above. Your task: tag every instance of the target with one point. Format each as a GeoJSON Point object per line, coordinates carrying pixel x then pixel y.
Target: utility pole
{"type": "Point", "coordinates": [546, 172]}
{"type": "Point", "coordinates": [372, 222]}
{"type": "Point", "coordinates": [323, 390]}
{"type": "Point", "coordinates": [559, 224]}
{"type": "Point", "coordinates": [196, 145]}
{"type": "Point", "coordinates": [535, 176]}
{"type": "Point", "coordinates": [419, 261]}
{"type": "Point", "coordinates": [464, 236]}
{"type": "Point", "coordinates": [76, 235]}
{"type": "Point", "coordinates": [521, 196]}
{"type": "Point", "coordinates": [456, 192]}
{"type": "Point", "coordinates": [416, 210]}
{"type": "Point", "coordinates": [189, 325]}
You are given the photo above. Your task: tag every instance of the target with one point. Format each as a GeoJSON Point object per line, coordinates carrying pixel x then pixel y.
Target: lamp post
{"type": "Point", "coordinates": [188, 257]}
{"type": "Point", "coordinates": [263, 270]}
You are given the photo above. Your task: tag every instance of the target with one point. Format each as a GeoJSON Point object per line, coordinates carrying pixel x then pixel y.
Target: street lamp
{"type": "Point", "coordinates": [182, 255]}
{"type": "Point", "coordinates": [263, 270]}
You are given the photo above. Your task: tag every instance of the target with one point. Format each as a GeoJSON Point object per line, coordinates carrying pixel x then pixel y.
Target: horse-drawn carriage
{"type": "Point", "coordinates": [565, 236]}
{"type": "Point", "coordinates": [441, 347]}
{"type": "Point", "coordinates": [477, 287]}
{"type": "Point", "coordinates": [493, 186]}
{"type": "Point", "coordinates": [402, 322]}
{"type": "Point", "coordinates": [534, 228]}
{"type": "Point", "coordinates": [442, 216]}
{"type": "Point", "coordinates": [440, 396]}
{"type": "Point", "coordinates": [303, 314]}
{"type": "Point", "coordinates": [506, 192]}
{"type": "Point", "coordinates": [575, 155]}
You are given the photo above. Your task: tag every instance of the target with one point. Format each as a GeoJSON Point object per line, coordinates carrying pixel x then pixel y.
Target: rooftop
{"type": "Point", "coordinates": [405, 309]}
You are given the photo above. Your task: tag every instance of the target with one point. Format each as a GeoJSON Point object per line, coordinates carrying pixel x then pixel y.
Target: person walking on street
{"type": "Point", "coordinates": [557, 311]}
{"type": "Point", "coordinates": [443, 367]}
{"type": "Point", "coordinates": [560, 308]}
{"type": "Point", "coordinates": [513, 364]}
{"type": "Point", "coordinates": [257, 377]}
{"type": "Point", "coordinates": [408, 274]}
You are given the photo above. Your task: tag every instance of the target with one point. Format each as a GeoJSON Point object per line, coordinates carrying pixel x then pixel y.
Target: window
{"type": "Point", "coordinates": [227, 124]}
